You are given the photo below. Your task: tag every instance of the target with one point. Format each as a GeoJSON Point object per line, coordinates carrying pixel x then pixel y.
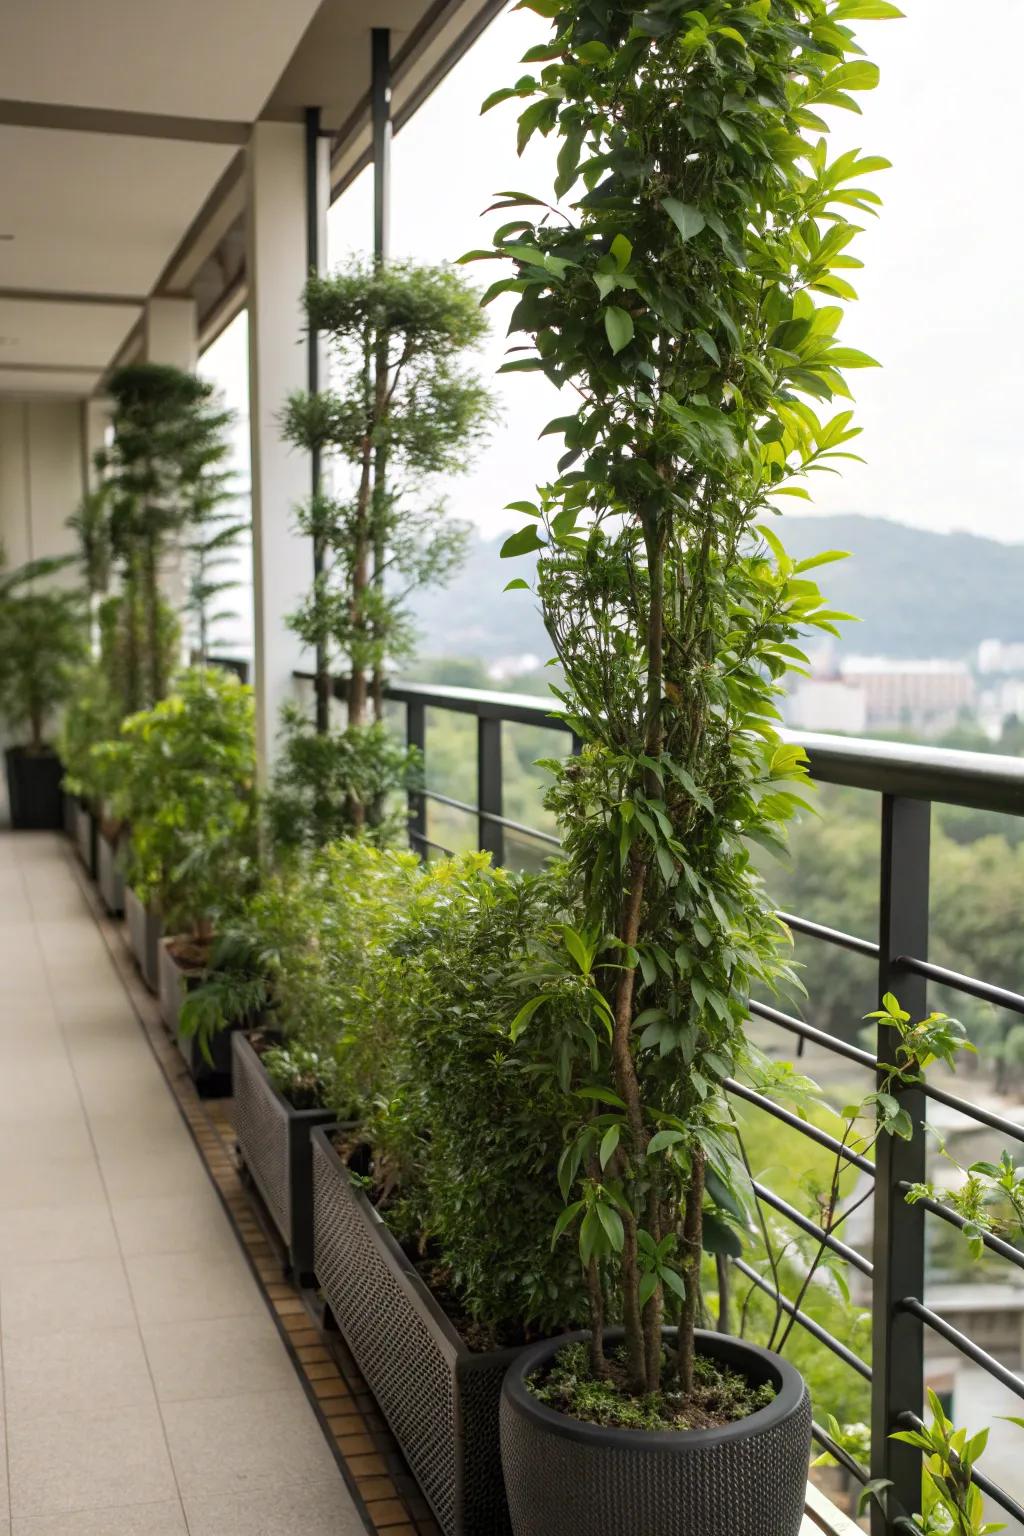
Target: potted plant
{"type": "Point", "coordinates": [408, 411]}
{"type": "Point", "coordinates": [42, 641]}
{"type": "Point", "coordinates": [185, 773]}
{"type": "Point", "coordinates": [679, 296]}
{"type": "Point", "coordinates": [91, 717]}
{"type": "Point", "coordinates": [434, 1254]}
{"type": "Point", "coordinates": [295, 960]}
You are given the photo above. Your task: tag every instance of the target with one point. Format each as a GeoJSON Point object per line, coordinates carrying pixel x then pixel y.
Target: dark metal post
{"type": "Point", "coordinates": [489, 799]}
{"type": "Point", "coordinates": [416, 736]}
{"type": "Point", "coordinates": [313, 212]}
{"type": "Point", "coordinates": [899, 1229]}
{"type": "Point", "coordinates": [380, 94]}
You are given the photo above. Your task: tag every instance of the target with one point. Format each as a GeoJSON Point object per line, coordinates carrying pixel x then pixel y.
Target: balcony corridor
{"type": "Point", "coordinates": [146, 1389]}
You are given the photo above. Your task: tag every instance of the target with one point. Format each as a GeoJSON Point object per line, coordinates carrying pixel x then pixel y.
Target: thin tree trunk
{"type": "Point", "coordinates": [693, 1225]}
{"type": "Point", "coordinates": [724, 1277]}
{"type": "Point", "coordinates": [628, 1087]}
{"type": "Point", "coordinates": [598, 1364]}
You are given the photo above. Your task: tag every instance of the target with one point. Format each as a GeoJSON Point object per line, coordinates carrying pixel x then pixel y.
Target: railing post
{"type": "Point", "coordinates": [489, 799]}
{"type": "Point", "coordinates": [416, 736]}
{"type": "Point", "coordinates": [899, 1228]}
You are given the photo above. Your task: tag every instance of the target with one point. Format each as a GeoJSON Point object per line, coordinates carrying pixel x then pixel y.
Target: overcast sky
{"type": "Point", "coordinates": [941, 305]}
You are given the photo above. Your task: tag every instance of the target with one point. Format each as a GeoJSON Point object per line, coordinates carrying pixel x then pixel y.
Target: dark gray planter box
{"type": "Point", "coordinates": [566, 1478]}
{"type": "Point", "coordinates": [86, 833]}
{"type": "Point", "coordinates": [273, 1139]}
{"type": "Point", "coordinates": [109, 874]}
{"type": "Point", "coordinates": [70, 809]}
{"type": "Point", "coordinates": [440, 1399]}
{"type": "Point", "coordinates": [212, 1077]}
{"type": "Point", "coordinates": [144, 931]}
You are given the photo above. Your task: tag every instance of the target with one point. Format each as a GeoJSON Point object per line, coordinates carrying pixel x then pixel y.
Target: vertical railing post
{"type": "Point", "coordinates": [314, 259]}
{"type": "Point", "coordinates": [899, 1228]}
{"type": "Point", "coordinates": [490, 798]}
{"type": "Point", "coordinates": [416, 736]}
{"type": "Point", "coordinates": [380, 112]}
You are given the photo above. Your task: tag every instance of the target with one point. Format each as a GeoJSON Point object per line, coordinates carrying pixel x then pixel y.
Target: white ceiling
{"type": "Point", "coordinates": [190, 58]}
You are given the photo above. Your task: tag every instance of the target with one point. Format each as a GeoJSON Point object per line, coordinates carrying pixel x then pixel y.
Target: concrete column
{"type": "Point", "coordinates": [96, 416]}
{"type": "Point", "coordinates": [40, 477]}
{"type": "Point", "coordinates": [170, 333]}
{"type": "Point", "coordinates": [278, 365]}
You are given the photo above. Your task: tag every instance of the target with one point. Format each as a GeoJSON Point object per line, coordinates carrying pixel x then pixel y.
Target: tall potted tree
{"type": "Point", "coordinates": [42, 642]}
{"type": "Point", "coordinates": [686, 299]}
{"type": "Point", "coordinates": [406, 411]}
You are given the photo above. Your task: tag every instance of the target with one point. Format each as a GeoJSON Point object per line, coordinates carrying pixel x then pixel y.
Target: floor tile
{"type": "Point", "coordinates": [320, 1509]}
{"type": "Point", "coordinates": [77, 1295]}
{"type": "Point", "coordinates": [189, 1287]}
{"type": "Point", "coordinates": [219, 1357]}
{"type": "Point", "coordinates": [55, 1233]}
{"type": "Point", "coordinates": [164, 1519]}
{"type": "Point", "coordinates": [67, 1462]}
{"type": "Point", "coordinates": [175, 1172]}
{"type": "Point", "coordinates": [234, 1445]}
{"type": "Point", "coordinates": [174, 1223]}
{"type": "Point", "coordinates": [77, 1372]}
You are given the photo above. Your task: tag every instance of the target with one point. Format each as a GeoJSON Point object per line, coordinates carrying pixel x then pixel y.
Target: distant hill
{"type": "Point", "coordinates": [917, 594]}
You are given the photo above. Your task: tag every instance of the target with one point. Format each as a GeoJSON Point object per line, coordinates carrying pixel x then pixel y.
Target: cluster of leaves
{"type": "Point", "coordinates": [953, 1505]}
{"type": "Point", "coordinates": [183, 775]}
{"type": "Point", "coordinates": [43, 639]}
{"type": "Point", "coordinates": [685, 296]}
{"type": "Point", "coordinates": [334, 783]}
{"type": "Point", "coordinates": [987, 1197]}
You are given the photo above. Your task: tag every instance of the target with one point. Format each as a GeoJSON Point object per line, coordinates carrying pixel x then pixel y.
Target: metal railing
{"type": "Point", "coordinates": [908, 780]}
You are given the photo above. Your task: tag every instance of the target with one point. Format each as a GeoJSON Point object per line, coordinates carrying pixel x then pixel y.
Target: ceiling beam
{"type": "Point", "coordinates": [89, 368]}
{"type": "Point", "coordinates": [140, 125]}
{"type": "Point", "coordinates": [61, 296]}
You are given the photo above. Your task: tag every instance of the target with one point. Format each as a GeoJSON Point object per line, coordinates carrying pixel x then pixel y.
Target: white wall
{"type": "Point", "coordinates": [40, 476]}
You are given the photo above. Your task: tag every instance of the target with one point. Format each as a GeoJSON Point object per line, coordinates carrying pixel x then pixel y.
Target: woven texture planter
{"type": "Point", "coordinates": [109, 875]}
{"type": "Point", "coordinates": [440, 1399]}
{"type": "Point", "coordinates": [273, 1139]}
{"type": "Point", "coordinates": [213, 1077]}
{"type": "Point", "coordinates": [144, 932]}
{"type": "Point", "coordinates": [566, 1478]}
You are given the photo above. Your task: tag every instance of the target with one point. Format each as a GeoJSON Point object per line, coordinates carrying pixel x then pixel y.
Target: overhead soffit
{"type": "Point", "coordinates": [28, 383]}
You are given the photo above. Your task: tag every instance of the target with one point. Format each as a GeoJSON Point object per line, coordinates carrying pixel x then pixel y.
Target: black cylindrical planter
{"type": "Point", "coordinates": [34, 790]}
{"type": "Point", "coordinates": [567, 1478]}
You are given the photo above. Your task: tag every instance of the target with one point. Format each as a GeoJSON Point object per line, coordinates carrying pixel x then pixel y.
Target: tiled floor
{"type": "Point", "coordinates": [146, 1390]}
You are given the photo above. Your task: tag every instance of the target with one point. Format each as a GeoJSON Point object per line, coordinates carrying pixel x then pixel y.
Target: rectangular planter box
{"type": "Point", "coordinates": [110, 875]}
{"type": "Point", "coordinates": [212, 1078]}
{"type": "Point", "coordinates": [273, 1139]}
{"type": "Point", "coordinates": [70, 807]}
{"type": "Point", "coordinates": [86, 833]}
{"type": "Point", "coordinates": [144, 931]}
{"type": "Point", "coordinates": [439, 1397]}
{"type": "Point", "coordinates": [35, 799]}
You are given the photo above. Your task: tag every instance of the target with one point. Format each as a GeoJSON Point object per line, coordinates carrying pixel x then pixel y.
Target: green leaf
{"type": "Point", "coordinates": [609, 1143]}
{"type": "Point", "coordinates": [612, 1223]}
{"type": "Point", "coordinates": [517, 584]}
{"type": "Point", "coordinates": [566, 1219]}
{"type": "Point", "coordinates": [688, 220]}
{"type": "Point", "coordinates": [618, 325]}
{"type": "Point", "coordinates": [525, 1014]}
{"type": "Point", "coordinates": [522, 543]}
{"type": "Point", "coordinates": [622, 250]}
{"type": "Point", "coordinates": [661, 1140]}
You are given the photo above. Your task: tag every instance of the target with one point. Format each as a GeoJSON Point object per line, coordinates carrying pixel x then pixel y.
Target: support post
{"type": "Point", "coordinates": [315, 207]}
{"type": "Point", "coordinates": [416, 736]}
{"type": "Point", "coordinates": [899, 1228]}
{"type": "Point", "coordinates": [170, 336]}
{"type": "Point", "coordinates": [490, 798]}
{"type": "Point", "coordinates": [380, 96]}
{"type": "Point", "coordinates": [281, 476]}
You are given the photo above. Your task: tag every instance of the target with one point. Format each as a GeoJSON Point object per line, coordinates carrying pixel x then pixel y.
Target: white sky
{"type": "Point", "coordinates": [941, 302]}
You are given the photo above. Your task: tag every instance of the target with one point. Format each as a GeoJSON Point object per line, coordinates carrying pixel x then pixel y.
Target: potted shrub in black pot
{"type": "Point", "coordinates": [42, 641]}
{"type": "Point", "coordinates": [686, 295]}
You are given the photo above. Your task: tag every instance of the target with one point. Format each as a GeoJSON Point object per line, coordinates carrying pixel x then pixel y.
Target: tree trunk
{"type": "Point", "coordinates": [693, 1227]}
{"type": "Point", "coordinates": [598, 1364]}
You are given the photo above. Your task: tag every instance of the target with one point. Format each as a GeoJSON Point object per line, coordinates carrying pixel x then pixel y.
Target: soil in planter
{"type": "Point", "coordinates": [720, 1396]}
{"type": "Point", "coordinates": [188, 953]}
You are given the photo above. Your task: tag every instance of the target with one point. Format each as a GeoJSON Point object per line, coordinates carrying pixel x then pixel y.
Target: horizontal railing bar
{"type": "Point", "coordinates": [502, 821]}
{"type": "Point", "coordinates": [818, 1036]}
{"type": "Point", "coordinates": [983, 781]}
{"type": "Point", "coordinates": [990, 1489]}
{"type": "Point", "coordinates": [814, 1329]}
{"type": "Point", "coordinates": [844, 1458]}
{"type": "Point", "coordinates": [830, 935]}
{"type": "Point", "coordinates": [812, 1229]}
{"type": "Point", "coordinates": [428, 842]}
{"type": "Point", "coordinates": [803, 1126]}
{"type": "Point", "coordinates": [974, 1112]}
{"type": "Point", "coordinates": [999, 997]}
{"type": "Point", "coordinates": [995, 1244]}
{"type": "Point", "coordinates": [966, 1346]}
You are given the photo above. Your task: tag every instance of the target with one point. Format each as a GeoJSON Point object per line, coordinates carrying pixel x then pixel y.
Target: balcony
{"type": "Point", "coordinates": [216, 1311]}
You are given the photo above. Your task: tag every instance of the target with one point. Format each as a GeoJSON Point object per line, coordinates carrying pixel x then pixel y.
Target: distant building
{"type": "Point", "coordinates": [924, 695]}
{"type": "Point", "coordinates": [1000, 656]}
{"type": "Point", "coordinates": [827, 704]}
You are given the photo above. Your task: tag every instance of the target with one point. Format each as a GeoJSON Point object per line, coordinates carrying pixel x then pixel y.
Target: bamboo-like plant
{"type": "Point", "coordinates": [684, 296]}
